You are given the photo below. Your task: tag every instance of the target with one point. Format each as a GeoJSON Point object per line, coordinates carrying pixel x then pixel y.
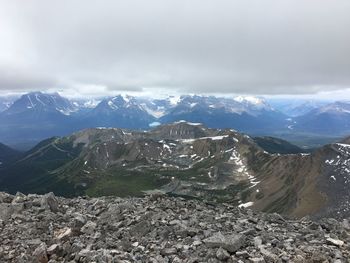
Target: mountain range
{"type": "Point", "coordinates": [35, 116]}
{"type": "Point", "coordinates": [297, 107]}
{"type": "Point", "coordinates": [331, 118]}
{"type": "Point", "coordinates": [187, 159]}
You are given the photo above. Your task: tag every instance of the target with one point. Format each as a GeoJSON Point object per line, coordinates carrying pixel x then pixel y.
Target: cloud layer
{"type": "Point", "coordinates": [223, 46]}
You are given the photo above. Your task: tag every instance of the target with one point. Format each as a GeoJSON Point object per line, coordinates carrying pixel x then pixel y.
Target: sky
{"type": "Point", "coordinates": [102, 47]}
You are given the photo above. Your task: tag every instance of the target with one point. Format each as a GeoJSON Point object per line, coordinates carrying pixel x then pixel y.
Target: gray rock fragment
{"type": "Point", "coordinates": [40, 254]}
{"type": "Point", "coordinates": [168, 251]}
{"type": "Point", "coordinates": [222, 254]}
{"type": "Point", "coordinates": [50, 202]}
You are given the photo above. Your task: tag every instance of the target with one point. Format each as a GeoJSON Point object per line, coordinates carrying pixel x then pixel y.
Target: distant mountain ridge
{"type": "Point", "coordinates": [333, 118]}
{"type": "Point", "coordinates": [296, 107]}
{"type": "Point", "coordinates": [36, 116]}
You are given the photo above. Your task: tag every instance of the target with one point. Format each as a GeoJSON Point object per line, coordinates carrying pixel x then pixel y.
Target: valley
{"type": "Point", "coordinates": [187, 159]}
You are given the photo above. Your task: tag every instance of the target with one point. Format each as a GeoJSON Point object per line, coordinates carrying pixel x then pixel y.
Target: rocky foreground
{"type": "Point", "coordinates": [157, 228]}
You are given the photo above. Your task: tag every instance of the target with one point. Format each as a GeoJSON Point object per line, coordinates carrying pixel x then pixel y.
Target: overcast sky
{"type": "Point", "coordinates": [100, 47]}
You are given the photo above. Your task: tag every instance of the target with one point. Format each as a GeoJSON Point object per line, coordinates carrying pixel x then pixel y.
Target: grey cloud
{"type": "Point", "coordinates": [226, 46]}
{"type": "Point", "coordinates": [17, 80]}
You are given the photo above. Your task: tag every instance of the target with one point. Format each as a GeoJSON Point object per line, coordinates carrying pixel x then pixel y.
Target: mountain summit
{"type": "Point", "coordinates": [40, 102]}
{"type": "Point", "coordinates": [119, 111]}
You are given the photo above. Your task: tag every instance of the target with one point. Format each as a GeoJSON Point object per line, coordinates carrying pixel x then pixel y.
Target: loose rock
{"type": "Point", "coordinates": [40, 254]}
{"type": "Point", "coordinates": [111, 229]}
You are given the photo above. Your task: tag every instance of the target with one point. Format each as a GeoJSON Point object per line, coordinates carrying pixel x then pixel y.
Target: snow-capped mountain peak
{"type": "Point", "coordinates": [42, 102]}
{"type": "Point", "coordinates": [119, 102]}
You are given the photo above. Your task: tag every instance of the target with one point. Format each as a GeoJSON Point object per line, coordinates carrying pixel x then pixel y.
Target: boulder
{"type": "Point", "coordinates": [229, 242]}
{"type": "Point", "coordinates": [89, 228]}
{"type": "Point", "coordinates": [5, 197]}
{"type": "Point", "coordinates": [6, 210]}
{"type": "Point", "coordinates": [50, 202]}
{"type": "Point", "coordinates": [40, 254]}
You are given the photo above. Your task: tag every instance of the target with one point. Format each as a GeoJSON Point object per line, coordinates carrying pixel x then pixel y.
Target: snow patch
{"type": "Point", "coordinates": [126, 98]}
{"type": "Point", "coordinates": [329, 161]}
{"type": "Point", "coordinates": [174, 100]}
{"type": "Point", "coordinates": [214, 138]}
{"type": "Point", "coordinates": [245, 205]}
{"type": "Point", "coordinates": [112, 105]}
{"type": "Point", "coordinates": [241, 168]}
{"type": "Point", "coordinates": [91, 103]}
{"type": "Point", "coordinates": [165, 146]}
{"type": "Point", "coordinates": [189, 123]}
{"type": "Point", "coordinates": [154, 124]}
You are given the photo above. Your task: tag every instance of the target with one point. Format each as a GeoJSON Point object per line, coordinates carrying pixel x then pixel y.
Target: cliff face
{"type": "Point", "coordinates": [157, 228]}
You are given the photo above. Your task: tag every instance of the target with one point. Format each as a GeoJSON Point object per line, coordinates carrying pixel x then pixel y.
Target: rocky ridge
{"type": "Point", "coordinates": [187, 159]}
{"type": "Point", "coordinates": [157, 228]}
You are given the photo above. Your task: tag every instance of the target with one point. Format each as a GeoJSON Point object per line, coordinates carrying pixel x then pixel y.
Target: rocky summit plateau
{"type": "Point", "coordinates": [159, 228]}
